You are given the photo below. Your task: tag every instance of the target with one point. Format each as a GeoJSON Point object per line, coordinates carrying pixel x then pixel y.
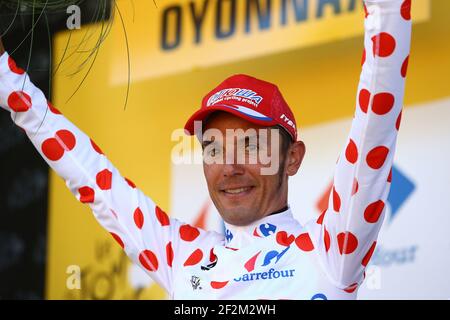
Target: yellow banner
{"type": "Point", "coordinates": [182, 35]}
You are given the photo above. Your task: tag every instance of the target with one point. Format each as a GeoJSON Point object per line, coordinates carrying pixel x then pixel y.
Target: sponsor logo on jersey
{"type": "Point", "coordinates": [195, 283]}
{"type": "Point", "coordinates": [274, 255]}
{"type": "Point", "coordinates": [264, 230]}
{"type": "Point", "coordinates": [266, 275]}
{"type": "Point", "coordinates": [228, 235]}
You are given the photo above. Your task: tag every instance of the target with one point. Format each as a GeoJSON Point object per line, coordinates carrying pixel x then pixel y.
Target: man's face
{"type": "Point", "coordinates": [242, 192]}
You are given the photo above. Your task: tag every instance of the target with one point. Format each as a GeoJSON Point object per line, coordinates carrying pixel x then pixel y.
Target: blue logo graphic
{"type": "Point", "coordinates": [319, 296]}
{"type": "Point", "coordinates": [273, 254]}
{"type": "Point", "coordinates": [401, 190]}
{"type": "Point", "coordinates": [267, 229]}
{"type": "Point", "coordinates": [228, 235]}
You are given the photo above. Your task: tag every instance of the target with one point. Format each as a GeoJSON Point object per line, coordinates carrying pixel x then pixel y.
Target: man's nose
{"type": "Point", "coordinates": [232, 167]}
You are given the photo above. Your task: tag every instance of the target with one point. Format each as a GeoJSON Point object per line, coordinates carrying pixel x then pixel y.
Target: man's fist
{"type": "Point", "coordinates": [2, 49]}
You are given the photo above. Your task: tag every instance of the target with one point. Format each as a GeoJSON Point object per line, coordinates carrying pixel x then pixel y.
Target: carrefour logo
{"type": "Point", "coordinates": [267, 275]}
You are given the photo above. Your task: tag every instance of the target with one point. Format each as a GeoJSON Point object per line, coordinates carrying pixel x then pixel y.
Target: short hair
{"type": "Point", "coordinates": [286, 139]}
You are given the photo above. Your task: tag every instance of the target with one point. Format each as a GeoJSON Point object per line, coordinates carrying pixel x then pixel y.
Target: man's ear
{"type": "Point", "coordinates": [295, 157]}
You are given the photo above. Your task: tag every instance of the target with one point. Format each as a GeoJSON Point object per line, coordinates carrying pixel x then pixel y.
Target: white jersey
{"type": "Point", "coordinates": [275, 257]}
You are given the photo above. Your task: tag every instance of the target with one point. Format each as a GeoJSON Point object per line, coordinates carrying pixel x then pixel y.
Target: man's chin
{"type": "Point", "coordinates": [238, 216]}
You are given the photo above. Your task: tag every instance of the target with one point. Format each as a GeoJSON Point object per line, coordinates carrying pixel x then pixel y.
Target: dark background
{"type": "Point", "coordinates": [23, 173]}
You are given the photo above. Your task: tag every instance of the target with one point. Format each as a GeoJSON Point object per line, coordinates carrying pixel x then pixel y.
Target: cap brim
{"type": "Point", "coordinates": [239, 111]}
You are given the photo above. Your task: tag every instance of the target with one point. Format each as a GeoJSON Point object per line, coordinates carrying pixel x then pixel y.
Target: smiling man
{"type": "Point", "coordinates": [249, 149]}
{"type": "Point", "coordinates": [265, 253]}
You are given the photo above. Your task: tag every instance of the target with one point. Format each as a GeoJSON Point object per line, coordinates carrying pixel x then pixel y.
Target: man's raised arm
{"type": "Point", "coordinates": [148, 236]}
{"type": "Point", "coordinates": [347, 231]}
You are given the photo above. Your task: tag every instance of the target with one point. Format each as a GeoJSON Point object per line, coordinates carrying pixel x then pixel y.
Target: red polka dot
{"type": "Point", "coordinates": [66, 138]}
{"type": "Point", "coordinates": [389, 179]}
{"type": "Point", "coordinates": [383, 45]}
{"type": "Point", "coordinates": [368, 255]}
{"type": "Point", "coordinates": [326, 240]}
{"type": "Point", "coordinates": [130, 183]}
{"type": "Point", "coordinates": [363, 59]}
{"type": "Point", "coordinates": [374, 211]}
{"type": "Point", "coordinates": [13, 66]}
{"type": "Point", "coordinates": [303, 241]}
{"type": "Point", "coordinates": [138, 217]}
{"type": "Point", "coordinates": [169, 254]}
{"type": "Point", "coordinates": [19, 101]}
{"type": "Point", "coordinates": [52, 149]}
{"type": "Point", "coordinates": [283, 238]}
{"type": "Point", "coordinates": [148, 260]}
{"type": "Point", "coordinates": [250, 264]}
{"type": "Point", "coordinates": [52, 108]}
{"type": "Point", "coordinates": [364, 98]}
{"type": "Point", "coordinates": [118, 240]}
{"type": "Point", "coordinates": [86, 194]}
{"type": "Point", "coordinates": [377, 156]}
{"type": "Point", "coordinates": [404, 70]}
{"type": "Point", "coordinates": [162, 217]}
{"type": "Point", "coordinates": [406, 10]}
{"type": "Point", "coordinates": [336, 200]}
{"type": "Point", "coordinates": [188, 233]}
{"type": "Point", "coordinates": [351, 288]}
{"type": "Point", "coordinates": [96, 148]}
{"type": "Point", "coordinates": [104, 179]}
{"type": "Point", "coordinates": [321, 217]}
{"type": "Point", "coordinates": [355, 186]}
{"type": "Point", "coordinates": [194, 258]}
{"type": "Point", "coordinates": [347, 242]}
{"type": "Point", "coordinates": [212, 256]}
{"type": "Point", "coordinates": [351, 153]}
{"type": "Point", "coordinates": [218, 285]}
{"type": "Point", "coordinates": [399, 120]}
{"type": "Point", "coordinates": [383, 103]}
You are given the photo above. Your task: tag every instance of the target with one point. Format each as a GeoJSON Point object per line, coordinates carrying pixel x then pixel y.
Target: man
{"type": "Point", "coordinates": [265, 253]}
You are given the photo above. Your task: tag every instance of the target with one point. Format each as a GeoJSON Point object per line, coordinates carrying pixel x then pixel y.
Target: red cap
{"type": "Point", "coordinates": [252, 99]}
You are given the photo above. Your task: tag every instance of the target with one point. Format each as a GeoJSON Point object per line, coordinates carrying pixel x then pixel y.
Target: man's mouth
{"type": "Point", "coordinates": [236, 190]}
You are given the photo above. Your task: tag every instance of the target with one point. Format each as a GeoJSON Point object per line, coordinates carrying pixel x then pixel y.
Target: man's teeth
{"type": "Point", "coordinates": [238, 190]}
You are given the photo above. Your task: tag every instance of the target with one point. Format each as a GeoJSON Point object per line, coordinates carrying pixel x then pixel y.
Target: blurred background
{"type": "Point", "coordinates": [129, 73]}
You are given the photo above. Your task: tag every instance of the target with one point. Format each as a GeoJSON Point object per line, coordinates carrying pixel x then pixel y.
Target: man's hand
{"type": "Point", "coordinates": [2, 49]}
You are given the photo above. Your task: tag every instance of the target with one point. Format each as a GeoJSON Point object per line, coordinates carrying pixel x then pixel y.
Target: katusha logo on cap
{"type": "Point", "coordinates": [236, 94]}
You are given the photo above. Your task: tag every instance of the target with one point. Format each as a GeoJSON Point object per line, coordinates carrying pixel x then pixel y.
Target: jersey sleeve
{"type": "Point", "coordinates": [346, 233]}
{"type": "Point", "coordinates": [148, 236]}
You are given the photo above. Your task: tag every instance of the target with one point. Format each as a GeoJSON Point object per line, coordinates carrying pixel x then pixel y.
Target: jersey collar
{"type": "Point", "coordinates": [238, 236]}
